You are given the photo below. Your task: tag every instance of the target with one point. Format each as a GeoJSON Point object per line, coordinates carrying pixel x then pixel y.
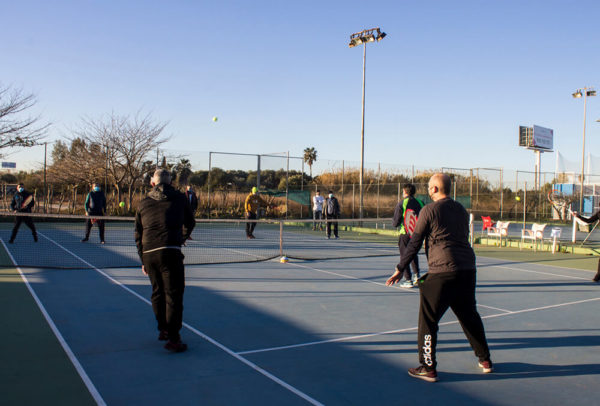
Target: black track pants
{"type": "Point", "coordinates": [455, 290]}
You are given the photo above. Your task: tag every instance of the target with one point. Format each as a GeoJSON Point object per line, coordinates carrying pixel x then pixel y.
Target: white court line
{"type": "Point", "coordinates": [540, 272]}
{"type": "Point", "coordinates": [84, 377]}
{"type": "Point", "coordinates": [381, 284]}
{"type": "Point", "coordinates": [357, 337]}
{"type": "Point", "coordinates": [199, 333]}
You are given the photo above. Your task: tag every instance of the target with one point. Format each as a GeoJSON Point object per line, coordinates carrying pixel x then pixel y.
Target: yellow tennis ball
{"type": "Point", "coordinates": [215, 119]}
{"type": "Point", "coordinates": [518, 198]}
{"type": "Point", "coordinates": [122, 204]}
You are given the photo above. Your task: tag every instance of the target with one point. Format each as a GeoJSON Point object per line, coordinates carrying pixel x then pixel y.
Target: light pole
{"type": "Point", "coordinates": [370, 35]}
{"type": "Point", "coordinates": [585, 92]}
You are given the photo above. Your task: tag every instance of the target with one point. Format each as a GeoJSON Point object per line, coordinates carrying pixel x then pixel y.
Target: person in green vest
{"type": "Point", "coordinates": [405, 216]}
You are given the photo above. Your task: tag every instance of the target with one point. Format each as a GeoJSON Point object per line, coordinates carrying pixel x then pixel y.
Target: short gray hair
{"type": "Point", "coordinates": [161, 176]}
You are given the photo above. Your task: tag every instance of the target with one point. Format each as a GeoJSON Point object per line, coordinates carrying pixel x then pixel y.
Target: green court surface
{"type": "Point", "coordinates": [35, 368]}
{"type": "Point", "coordinates": [565, 260]}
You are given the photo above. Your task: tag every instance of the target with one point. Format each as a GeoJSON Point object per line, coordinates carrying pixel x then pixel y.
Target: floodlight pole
{"type": "Point", "coordinates": [362, 134]}
{"type": "Point", "coordinates": [583, 92]}
{"type": "Point", "coordinates": [370, 35]}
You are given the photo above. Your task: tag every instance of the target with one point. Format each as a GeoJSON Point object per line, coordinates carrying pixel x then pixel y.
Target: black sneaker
{"type": "Point", "coordinates": [175, 346]}
{"type": "Point", "coordinates": [35, 239]}
{"type": "Point", "coordinates": [163, 336]}
{"type": "Point", "coordinates": [84, 239]}
{"type": "Point", "coordinates": [11, 241]}
{"type": "Point", "coordinates": [486, 366]}
{"type": "Point", "coordinates": [424, 373]}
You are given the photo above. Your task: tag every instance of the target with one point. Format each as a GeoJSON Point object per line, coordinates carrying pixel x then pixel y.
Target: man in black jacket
{"type": "Point", "coordinates": [332, 213]}
{"type": "Point", "coordinates": [589, 220]}
{"type": "Point", "coordinates": [95, 205]}
{"type": "Point", "coordinates": [450, 281]}
{"type": "Point", "coordinates": [22, 202]}
{"type": "Point", "coordinates": [163, 222]}
{"type": "Point", "coordinates": [192, 198]}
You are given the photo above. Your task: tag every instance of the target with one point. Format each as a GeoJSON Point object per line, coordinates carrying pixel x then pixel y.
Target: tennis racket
{"type": "Point", "coordinates": [27, 202]}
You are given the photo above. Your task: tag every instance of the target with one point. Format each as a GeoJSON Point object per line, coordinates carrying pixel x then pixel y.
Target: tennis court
{"type": "Point", "coordinates": [306, 332]}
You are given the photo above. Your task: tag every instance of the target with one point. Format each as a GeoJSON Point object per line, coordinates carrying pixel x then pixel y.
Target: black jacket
{"type": "Point", "coordinates": [95, 203]}
{"type": "Point", "coordinates": [191, 197]}
{"type": "Point", "coordinates": [444, 226]}
{"type": "Point", "coordinates": [332, 207]}
{"type": "Point", "coordinates": [17, 202]}
{"type": "Point", "coordinates": [163, 219]}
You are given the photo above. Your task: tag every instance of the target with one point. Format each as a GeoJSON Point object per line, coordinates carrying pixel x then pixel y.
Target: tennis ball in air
{"type": "Point", "coordinates": [215, 119]}
{"type": "Point", "coordinates": [122, 204]}
{"type": "Point", "coordinates": [518, 199]}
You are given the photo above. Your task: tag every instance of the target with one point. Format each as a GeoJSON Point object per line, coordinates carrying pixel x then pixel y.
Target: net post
{"type": "Point", "coordinates": [281, 237]}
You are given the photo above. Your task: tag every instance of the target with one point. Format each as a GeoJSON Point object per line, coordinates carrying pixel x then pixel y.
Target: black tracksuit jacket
{"type": "Point", "coordinates": [163, 219]}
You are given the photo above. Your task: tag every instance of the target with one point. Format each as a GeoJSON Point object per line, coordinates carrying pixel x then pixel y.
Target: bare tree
{"type": "Point", "coordinates": [17, 131]}
{"type": "Point", "coordinates": [128, 142]}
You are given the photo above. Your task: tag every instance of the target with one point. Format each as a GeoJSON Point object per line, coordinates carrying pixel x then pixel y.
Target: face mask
{"type": "Point", "coordinates": [97, 189]}
{"type": "Point", "coordinates": [20, 190]}
{"type": "Point", "coordinates": [330, 195]}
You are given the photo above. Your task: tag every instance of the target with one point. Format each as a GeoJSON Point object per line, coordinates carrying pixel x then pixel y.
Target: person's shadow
{"type": "Point", "coordinates": [517, 370]}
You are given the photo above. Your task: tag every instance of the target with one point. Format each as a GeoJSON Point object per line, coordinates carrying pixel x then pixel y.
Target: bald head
{"type": "Point", "coordinates": [439, 186]}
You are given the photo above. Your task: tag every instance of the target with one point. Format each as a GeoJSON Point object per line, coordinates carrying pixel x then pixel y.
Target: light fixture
{"type": "Point", "coordinates": [577, 94]}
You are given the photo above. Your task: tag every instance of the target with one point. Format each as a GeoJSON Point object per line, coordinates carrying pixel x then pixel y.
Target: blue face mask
{"type": "Point", "coordinates": [21, 190]}
{"type": "Point", "coordinates": [97, 189]}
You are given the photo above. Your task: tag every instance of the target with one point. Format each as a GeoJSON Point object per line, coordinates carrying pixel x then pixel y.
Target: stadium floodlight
{"type": "Point", "coordinates": [585, 92]}
{"type": "Point", "coordinates": [358, 38]}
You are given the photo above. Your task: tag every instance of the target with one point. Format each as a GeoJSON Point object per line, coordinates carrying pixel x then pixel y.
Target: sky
{"type": "Point", "coordinates": [448, 87]}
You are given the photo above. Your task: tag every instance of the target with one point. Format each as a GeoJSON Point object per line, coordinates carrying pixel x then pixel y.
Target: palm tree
{"type": "Point", "coordinates": [310, 156]}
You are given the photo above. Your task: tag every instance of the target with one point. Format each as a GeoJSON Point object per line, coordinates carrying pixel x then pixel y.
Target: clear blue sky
{"type": "Point", "coordinates": [448, 86]}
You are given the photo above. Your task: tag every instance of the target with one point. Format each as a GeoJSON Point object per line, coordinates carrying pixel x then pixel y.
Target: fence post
{"type": "Point", "coordinates": [353, 199]}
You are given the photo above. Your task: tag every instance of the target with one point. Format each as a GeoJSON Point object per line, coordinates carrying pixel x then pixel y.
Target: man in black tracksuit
{"type": "Point", "coordinates": [190, 195]}
{"type": "Point", "coordinates": [590, 220]}
{"type": "Point", "coordinates": [450, 281]}
{"type": "Point", "coordinates": [18, 204]}
{"type": "Point", "coordinates": [332, 213]}
{"type": "Point", "coordinates": [95, 205]}
{"type": "Point", "coordinates": [405, 215]}
{"type": "Point", "coordinates": [163, 222]}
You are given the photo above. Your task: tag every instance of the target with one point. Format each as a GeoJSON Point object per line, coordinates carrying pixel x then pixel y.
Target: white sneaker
{"type": "Point", "coordinates": [415, 280]}
{"type": "Point", "coordinates": [406, 284]}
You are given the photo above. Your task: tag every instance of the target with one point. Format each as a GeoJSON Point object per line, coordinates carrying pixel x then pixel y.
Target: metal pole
{"type": "Point", "coordinates": [258, 173]}
{"type": "Point", "coordinates": [524, 204]}
{"type": "Point", "coordinates": [208, 184]}
{"type": "Point", "coordinates": [287, 183]}
{"type": "Point", "coordinates": [501, 193]}
{"type": "Point", "coordinates": [378, 183]}
{"type": "Point", "coordinates": [45, 184]}
{"type": "Point", "coordinates": [342, 183]}
{"type": "Point", "coordinates": [583, 150]}
{"type": "Point", "coordinates": [362, 135]}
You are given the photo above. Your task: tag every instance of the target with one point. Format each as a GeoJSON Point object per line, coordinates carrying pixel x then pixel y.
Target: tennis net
{"type": "Point", "coordinates": [213, 241]}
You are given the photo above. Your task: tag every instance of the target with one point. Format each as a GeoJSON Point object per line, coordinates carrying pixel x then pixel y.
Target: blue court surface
{"type": "Point", "coordinates": [323, 332]}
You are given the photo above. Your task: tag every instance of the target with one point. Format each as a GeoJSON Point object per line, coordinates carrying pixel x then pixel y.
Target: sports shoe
{"type": "Point", "coordinates": [424, 373]}
{"type": "Point", "coordinates": [163, 336]}
{"type": "Point", "coordinates": [415, 280]}
{"type": "Point", "coordinates": [11, 241]}
{"type": "Point", "coordinates": [102, 242]}
{"type": "Point", "coordinates": [486, 366]}
{"type": "Point", "coordinates": [84, 240]}
{"type": "Point", "coordinates": [35, 239]}
{"type": "Point", "coordinates": [175, 346]}
{"type": "Point", "coordinates": [407, 284]}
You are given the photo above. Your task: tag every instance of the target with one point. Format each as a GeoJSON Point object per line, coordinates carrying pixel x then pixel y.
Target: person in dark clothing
{"type": "Point", "coordinates": [332, 213]}
{"type": "Point", "coordinates": [450, 281]}
{"type": "Point", "coordinates": [95, 205]}
{"type": "Point", "coordinates": [192, 198]}
{"type": "Point", "coordinates": [163, 222]}
{"type": "Point", "coordinates": [590, 220]}
{"type": "Point", "coordinates": [22, 202]}
{"type": "Point", "coordinates": [405, 216]}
